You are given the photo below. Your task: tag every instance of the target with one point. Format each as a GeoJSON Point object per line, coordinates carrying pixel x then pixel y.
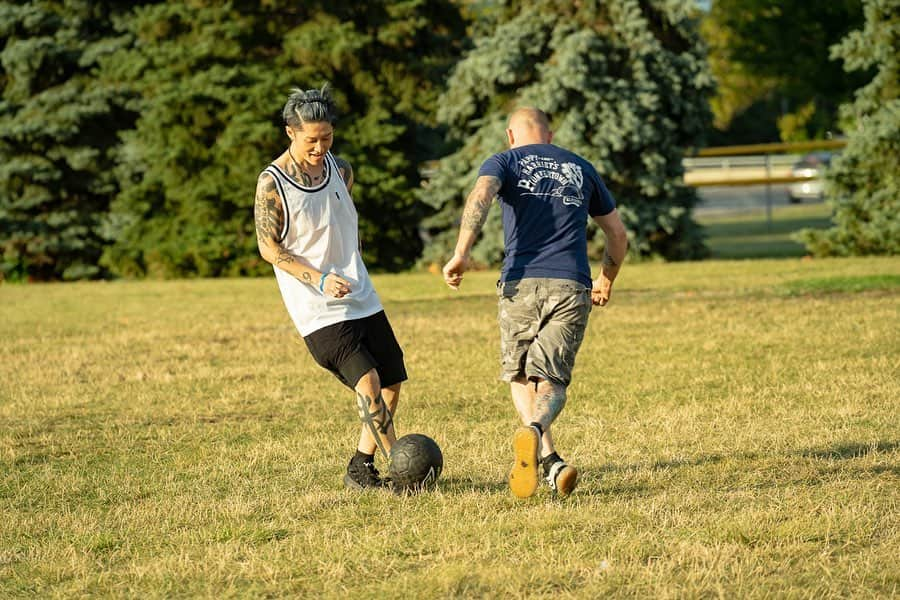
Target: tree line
{"type": "Point", "coordinates": [132, 133]}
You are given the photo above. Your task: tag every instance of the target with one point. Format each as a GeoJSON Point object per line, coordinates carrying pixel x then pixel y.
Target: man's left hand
{"type": "Point", "coordinates": [601, 290]}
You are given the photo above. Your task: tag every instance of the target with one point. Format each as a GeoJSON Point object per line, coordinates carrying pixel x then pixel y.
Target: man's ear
{"type": "Point", "coordinates": [549, 136]}
{"type": "Point", "coordinates": [510, 137]}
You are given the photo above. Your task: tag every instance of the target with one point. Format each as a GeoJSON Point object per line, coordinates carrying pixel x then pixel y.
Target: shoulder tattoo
{"type": "Point", "coordinates": [267, 210]}
{"type": "Point", "coordinates": [346, 171]}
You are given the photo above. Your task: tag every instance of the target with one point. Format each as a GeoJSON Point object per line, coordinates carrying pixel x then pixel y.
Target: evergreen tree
{"type": "Point", "coordinates": [864, 182]}
{"type": "Point", "coordinates": [58, 129]}
{"type": "Point", "coordinates": [212, 79]}
{"type": "Point", "coordinates": [626, 85]}
{"type": "Point", "coordinates": [387, 60]}
{"type": "Point", "coordinates": [208, 109]}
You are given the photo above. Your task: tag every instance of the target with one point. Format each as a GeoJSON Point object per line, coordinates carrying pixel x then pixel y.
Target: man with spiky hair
{"type": "Point", "coordinates": [546, 290]}
{"type": "Point", "coordinates": [306, 227]}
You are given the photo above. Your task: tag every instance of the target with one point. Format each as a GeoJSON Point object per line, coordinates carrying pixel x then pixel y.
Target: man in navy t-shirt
{"type": "Point", "coordinates": [546, 291]}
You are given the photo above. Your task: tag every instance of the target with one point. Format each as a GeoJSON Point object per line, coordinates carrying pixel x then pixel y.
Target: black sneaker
{"type": "Point", "coordinates": [362, 475]}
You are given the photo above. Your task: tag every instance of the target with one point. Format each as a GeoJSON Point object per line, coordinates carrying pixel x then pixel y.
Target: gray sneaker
{"type": "Point", "coordinates": [562, 478]}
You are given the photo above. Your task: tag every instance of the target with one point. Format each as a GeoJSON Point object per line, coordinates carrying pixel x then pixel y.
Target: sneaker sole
{"type": "Point", "coordinates": [566, 480]}
{"type": "Point", "coordinates": [523, 479]}
{"type": "Point", "coordinates": [350, 484]}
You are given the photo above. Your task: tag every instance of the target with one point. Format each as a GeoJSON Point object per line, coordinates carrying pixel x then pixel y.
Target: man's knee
{"type": "Point", "coordinates": [547, 384]}
{"type": "Point", "coordinates": [369, 384]}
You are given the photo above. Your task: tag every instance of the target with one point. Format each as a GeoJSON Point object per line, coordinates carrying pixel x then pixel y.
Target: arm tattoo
{"type": "Point", "coordinates": [608, 260]}
{"type": "Point", "coordinates": [267, 211]}
{"type": "Point", "coordinates": [269, 218]}
{"type": "Point", "coordinates": [346, 171]}
{"type": "Point", "coordinates": [283, 257]}
{"type": "Point", "coordinates": [479, 202]}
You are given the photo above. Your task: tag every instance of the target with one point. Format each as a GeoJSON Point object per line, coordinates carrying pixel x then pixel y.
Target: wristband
{"type": "Point", "coordinates": [322, 282]}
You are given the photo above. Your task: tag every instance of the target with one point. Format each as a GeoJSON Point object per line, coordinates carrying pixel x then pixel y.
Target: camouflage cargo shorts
{"type": "Point", "coordinates": [542, 323]}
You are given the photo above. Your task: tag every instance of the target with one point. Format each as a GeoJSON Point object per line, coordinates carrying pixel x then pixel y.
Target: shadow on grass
{"type": "Point", "coordinates": [833, 285]}
{"type": "Point", "coordinates": [593, 483]}
{"type": "Point", "coordinates": [824, 456]}
{"type": "Point", "coordinates": [461, 485]}
{"type": "Point", "coordinates": [843, 451]}
{"type": "Point", "coordinates": [850, 450]}
{"type": "Point", "coordinates": [665, 465]}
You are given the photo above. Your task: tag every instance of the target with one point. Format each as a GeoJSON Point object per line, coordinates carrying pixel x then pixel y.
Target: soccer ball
{"type": "Point", "coordinates": [416, 463]}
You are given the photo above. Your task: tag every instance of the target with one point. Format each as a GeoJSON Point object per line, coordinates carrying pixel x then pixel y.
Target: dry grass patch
{"type": "Point", "coordinates": [735, 423]}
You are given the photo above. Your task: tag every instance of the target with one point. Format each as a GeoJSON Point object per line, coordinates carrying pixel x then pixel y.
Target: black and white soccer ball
{"type": "Point", "coordinates": [416, 463]}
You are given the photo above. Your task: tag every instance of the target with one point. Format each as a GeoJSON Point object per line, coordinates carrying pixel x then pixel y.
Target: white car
{"type": "Point", "coordinates": [812, 165]}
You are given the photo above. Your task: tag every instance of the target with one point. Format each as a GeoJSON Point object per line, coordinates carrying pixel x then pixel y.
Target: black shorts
{"type": "Point", "coordinates": [351, 349]}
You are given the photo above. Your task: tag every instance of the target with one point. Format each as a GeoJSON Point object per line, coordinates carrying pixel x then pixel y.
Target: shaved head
{"type": "Point", "coordinates": [528, 126]}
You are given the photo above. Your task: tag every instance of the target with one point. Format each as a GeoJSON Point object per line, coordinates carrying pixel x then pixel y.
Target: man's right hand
{"type": "Point", "coordinates": [454, 269]}
{"type": "Point", "coordinates": [335, 286]}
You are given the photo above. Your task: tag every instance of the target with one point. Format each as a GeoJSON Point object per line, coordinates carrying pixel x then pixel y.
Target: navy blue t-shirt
{"type": "Point", "coordinates": [546, 195]}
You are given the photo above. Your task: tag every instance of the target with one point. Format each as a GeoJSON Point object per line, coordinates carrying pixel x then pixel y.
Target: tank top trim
{"type": "Point", "coordinates": [303, 188]}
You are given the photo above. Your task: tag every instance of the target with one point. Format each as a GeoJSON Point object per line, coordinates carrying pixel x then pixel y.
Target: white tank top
{"type": "Point", "coordinates": [321, 228]}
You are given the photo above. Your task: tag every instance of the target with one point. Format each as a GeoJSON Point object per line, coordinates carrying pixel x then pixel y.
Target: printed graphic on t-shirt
{"type": "Point", "coordinates": [568, 177]}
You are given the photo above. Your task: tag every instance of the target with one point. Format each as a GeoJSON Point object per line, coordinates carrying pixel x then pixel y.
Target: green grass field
{"type": "Point", "coordinates": [751, 235]}
{"type": "Point", "coordinates": [736, 425]}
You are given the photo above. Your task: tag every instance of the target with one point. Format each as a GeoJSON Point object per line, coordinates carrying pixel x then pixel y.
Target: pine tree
{"type": "Point", "coordinates": [626, 85]}
{"type": "Point", "coordinates": [58, 136]}
{"type": "Point", "coordinates": [212, 79]}
{"type": "Point", "coordinates": [208, 117]}
{"type": "Point", "coordinates": [863, 185]}
{"type": "Point", "coordinates": [387, 61]}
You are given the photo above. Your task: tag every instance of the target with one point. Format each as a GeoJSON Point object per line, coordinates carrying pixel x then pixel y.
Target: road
{"type": "Point", "coordinates": [720, 199]}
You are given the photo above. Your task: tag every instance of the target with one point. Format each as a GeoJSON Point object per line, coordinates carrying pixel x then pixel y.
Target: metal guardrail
{"type": "Point", "coordinates": [750, 164]}
{"type": "Point", "coordinates": [741, 170]}
{"type": "Point", "coordinates": [775, 148]}
{"type": "Point", "coordinates": [743, 182]}
{"type": "Point", "coordinates": [752, 160]}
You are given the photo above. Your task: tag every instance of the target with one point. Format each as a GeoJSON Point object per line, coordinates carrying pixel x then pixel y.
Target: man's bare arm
{"type": "Point", "coordinates": [616, 243]}
{"type": "Point", "coordinates": [613, 255]}
{"type": "Point", "coordinates": [268, 213]}
{"type": "Point", "coordinates": [475, 212]}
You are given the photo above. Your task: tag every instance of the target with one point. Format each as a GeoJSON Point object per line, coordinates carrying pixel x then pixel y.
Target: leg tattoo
{"type": "Point", "coordinates": [549, 402]}
{"type": "Point", "coordinates": [378, 421]}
